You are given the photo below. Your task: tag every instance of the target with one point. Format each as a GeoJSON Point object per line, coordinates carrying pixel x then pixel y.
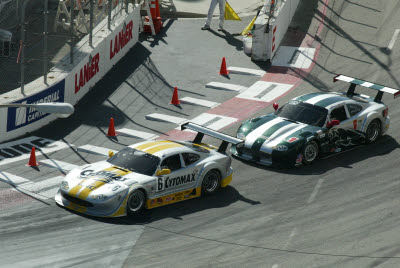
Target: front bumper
{"type": "Point", "coordinates": [114, 207]}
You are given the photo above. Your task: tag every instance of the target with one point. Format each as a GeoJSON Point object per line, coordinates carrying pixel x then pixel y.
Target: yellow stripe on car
{"type": "Point", "coordinates": [74, 191]}
{"type": "Point", "coordinates": [162, 147]}
{"type": "Point", "coordinates": [151, 144]}
{"type": "Point", "coordinates": [89, 188]}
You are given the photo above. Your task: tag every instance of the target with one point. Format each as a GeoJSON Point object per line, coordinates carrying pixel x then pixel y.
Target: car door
{"type": "Point", "coordinates": [180, 178]}
{"type": "Point", "coordinates": [340, 135]}
{"type": "Point", "coordinates": [354, 112]}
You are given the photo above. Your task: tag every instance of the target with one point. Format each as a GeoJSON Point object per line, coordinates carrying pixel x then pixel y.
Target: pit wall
{"type": "Point", "coordinates": [269, 30]}
{"type": "Point", "coordinates": [71, 82]}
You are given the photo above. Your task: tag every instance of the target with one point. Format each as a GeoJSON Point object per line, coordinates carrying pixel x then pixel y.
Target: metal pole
{"type": "Point", "coordinates": [109, 13]}
{"type": "Point", "coordinates": [71, 31]}
{"type": "Point", "coordinates": [91, 24]}
{"type": "Point", "coordinates": [23, 45]}
{"type": "Point", "coordinates": [126, 6]}
{"type": "Point", "coordinates": [45, 33]}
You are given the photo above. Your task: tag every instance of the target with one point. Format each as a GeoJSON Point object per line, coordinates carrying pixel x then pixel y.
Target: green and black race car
{"type": "Point", "coordinates": [314, 124]}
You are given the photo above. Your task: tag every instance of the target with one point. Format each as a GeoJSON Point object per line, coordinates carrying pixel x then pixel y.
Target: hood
{"type": "Point", "coordinates": [277, 131]}
{"type": "Point", "coordinates": [101, 178]}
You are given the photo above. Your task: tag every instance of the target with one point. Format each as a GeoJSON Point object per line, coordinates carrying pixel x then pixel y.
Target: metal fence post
{"type": "Point", "coordinates": [91, 24]}
{"type": "Point", "coordinates": [71, 31]}
{"type": "Point", "coordinates": [126, 6]}
{"type": "Point", "coordinates": [45, 33]}
{"type": "Point", "coordinates": [109, 13]}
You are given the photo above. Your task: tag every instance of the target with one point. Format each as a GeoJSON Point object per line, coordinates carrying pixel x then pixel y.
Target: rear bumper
{"type": "Point", "coordinates": [225, 182]}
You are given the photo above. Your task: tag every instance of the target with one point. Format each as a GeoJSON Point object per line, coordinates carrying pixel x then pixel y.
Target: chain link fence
{"type": "Point", "coordinates": [36, 34]}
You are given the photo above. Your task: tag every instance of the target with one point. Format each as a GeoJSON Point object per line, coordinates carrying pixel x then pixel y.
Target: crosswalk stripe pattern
{"type": "Point", "coordinates": [136, 134]}
{"type": "Point", "coordinates": [199, 102]}
{"type": "Point", "coordinates": [246, 71]}
{"type": "Point", "coordinates": [60, 165]}
{"type": "Point", "coordinates": [265, 91]}
{"type": "Point", "coordinates": [226, 86]}
{"type": "Point", "coordinates": [12, 179]}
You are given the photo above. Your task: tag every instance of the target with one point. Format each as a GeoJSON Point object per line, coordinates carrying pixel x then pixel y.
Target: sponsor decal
{"type": "Point", "coordinates": [299, 159]}
{"type": "Point", "coordinates": [168, 198]}
{"type": "Point", "coordinates": [159, 200]}
{"type": "Point", "coordinates": [21, 149]}
{"type": "Point", "coordinates": [87, 72]}
{"type": "Point", "coordinates": [121, 39]}
{"type": "Point", "coordinates": [22, 116]}
{"type": "Point", "coordinates": [292, 139]}
{"type": "Point", "coordinates": [103, 175]}
{"type": "Point", "coordinates": [165, 183]}
{"type": "Point", "coordinates": [153, 201]}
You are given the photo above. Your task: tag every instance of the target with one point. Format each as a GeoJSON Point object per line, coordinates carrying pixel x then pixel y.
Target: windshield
{"type": "Point", "coordinates": [135, 161]}
{"type": "Point", "coordinates": [303, 112]}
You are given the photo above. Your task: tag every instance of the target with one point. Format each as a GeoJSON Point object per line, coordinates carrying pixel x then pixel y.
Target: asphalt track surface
{"type": "Point", "coordinates": [340, 212]}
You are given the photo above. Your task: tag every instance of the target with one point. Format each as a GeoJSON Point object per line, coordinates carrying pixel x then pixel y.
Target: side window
{"type": "Point", "coordinates": [190, 158]}
{"type": "Point", "coordinates": [354, 109]}
{"type": "Point", "coordinates": [172, 162]}
{"type": "Point", "coordinates": [339, 114]}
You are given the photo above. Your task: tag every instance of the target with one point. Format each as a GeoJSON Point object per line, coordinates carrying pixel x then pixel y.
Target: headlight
{"type": "Point", "coordinates": [241, 136]}
{"type": "Point", "coordinates": [64, 186]}
{"type": "Point", "coordinates": [280, 148]}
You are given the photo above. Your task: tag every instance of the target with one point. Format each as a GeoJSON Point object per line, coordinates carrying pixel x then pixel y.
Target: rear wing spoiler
{"type": "Point", "coordinates": [201, 131]}
{"type": "Point", "coordinates": [354, 82]}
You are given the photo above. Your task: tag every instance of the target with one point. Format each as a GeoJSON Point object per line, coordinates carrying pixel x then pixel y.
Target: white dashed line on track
{"type": "Point", "coordinates": [60, 165]}
{"type": "Point", "coordinates": [394, 38]}
{"type": "Point", "coordinates": [199, 102]}
{"type": "Point", "coordinates": [136, 134]}
{"type": "Point", "coordinates": [265, 91]}
{"type": "Point", "coordinates": [166, 118]}
{"type": "Point", "coordinates": [91, 149]}
{"type": "Point", "coordinates": [292, 234]}
{"type": "Point", "coordinates": [12, 179]}
{"type": "Point", "coordinates": [246, 71]}
{"type": "Point", "coordinates": [315, 191]}
{"type": "Point", "coordinates": [226, 86]}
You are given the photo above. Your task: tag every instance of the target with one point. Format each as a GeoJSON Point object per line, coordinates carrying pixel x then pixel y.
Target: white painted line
{"type": "Point", "coordinates": [265, 91]}
{"type": "Point", "coordinates": [166, 118]}
{"type": "Point", "coordinates": [12, 179]}
{"type": "Point", "coordinates": [34, 195]}
{"type": "Point", "coordinates": [38, 187]}
{"type": "Point", "coordinates": [60, 165]}
{"type": "Point", "coordinates": [21, 149]}
{"type": "Point", "coordinates": [292, 234]}
{"type": "Point", "coordinates": [226, 86]}
{"type": "Point", "coordinates": [246, 71]}
{"type": "Point", "coordinates": [296, 57]}
{"type": "Point", "coordinates": [137, 134]}
{"type": "Point", "coordinates": [199, 102]}
{"type": "Point", "coordinates": [212, 121]}
{"type": "Point", "coordinates": [92, 149]}
{"type": "Point", "coordinates": [394, 38]}
{"type": "Point", "coordinates": [314, 193]}
{"type": "Point", "coordinates": [275, 265]}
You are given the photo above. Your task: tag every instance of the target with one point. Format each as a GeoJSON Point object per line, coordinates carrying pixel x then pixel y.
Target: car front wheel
{"type": "Point", "coordinates": [310, 152]}
{"type": "Point", "coordinates": [136, 202]}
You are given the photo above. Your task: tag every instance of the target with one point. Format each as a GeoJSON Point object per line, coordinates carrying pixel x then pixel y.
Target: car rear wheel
{"type": "Point", "coordinates": [373, 131]}
{"type": "Point", "coordinates": [310, 152]}
{"type": "Point", "coordinates": [136, 202]}
{"type": "Point", "coordinates": [211, 182]}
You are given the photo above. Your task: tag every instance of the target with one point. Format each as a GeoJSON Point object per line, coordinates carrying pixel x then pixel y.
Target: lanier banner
{"type": "Point", "coordinates": [20, 117]}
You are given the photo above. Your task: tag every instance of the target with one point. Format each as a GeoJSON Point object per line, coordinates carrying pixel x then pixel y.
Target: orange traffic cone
{"type": "Point", "coordinates": [158, 9]}
{"type": "Point", "coordinates": [223, 70]}
{"type": "Point", "coordinates": [175, 100]}
{"type": "Point", "coordinates": [32, 159]}
{"type": "Point", "coordinates": [111, 128]}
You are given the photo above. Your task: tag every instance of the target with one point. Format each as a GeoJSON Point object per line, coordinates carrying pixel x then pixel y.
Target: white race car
{"type": "Point", "coordinates": [149, 174]}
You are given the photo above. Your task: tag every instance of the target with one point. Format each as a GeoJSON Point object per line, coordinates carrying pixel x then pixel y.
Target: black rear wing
{"type": "Point", "coordinates": [201, 131]}
{"type": "Point", "coordinates": [354, 82]}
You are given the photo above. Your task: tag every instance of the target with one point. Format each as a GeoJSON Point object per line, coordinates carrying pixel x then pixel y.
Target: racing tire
{"type": "Point", "coordinates": [374, 131]}
{"type": "Point", "coordinates": [136, 203]}
{"type": "Point", "coordinates": [310, 152]}
{"type": "Point", "coordinates": [211, 182]}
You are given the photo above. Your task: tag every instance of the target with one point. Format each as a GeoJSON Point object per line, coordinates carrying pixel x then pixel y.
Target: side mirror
{"type": "Point", "coordinates": [110, 153]}
{"type": "Point", "coordinates": [164, 171]}
{"type": "Point", "coordinates": [332, 123]}
{"type": "Point", "coordinates": [276, 106]}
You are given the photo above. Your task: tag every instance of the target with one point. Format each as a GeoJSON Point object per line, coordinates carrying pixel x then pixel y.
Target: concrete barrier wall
{"type": "Point", "coordinates": [270, 30]}
{"type": "Point", "coordinates": [71, 82]}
